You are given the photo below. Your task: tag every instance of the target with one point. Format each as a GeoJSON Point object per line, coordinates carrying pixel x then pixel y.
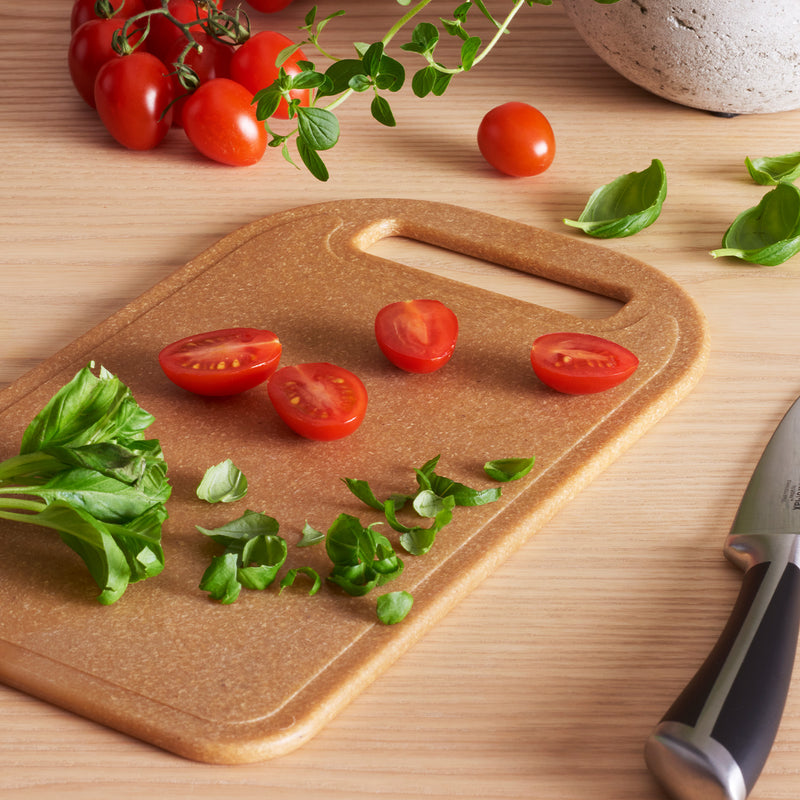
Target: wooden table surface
{"type": "Point", "coordinates": [545, 682]}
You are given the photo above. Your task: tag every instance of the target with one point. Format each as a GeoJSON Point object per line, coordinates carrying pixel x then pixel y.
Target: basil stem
{"type": "Point", "coordinates": [625, 206]}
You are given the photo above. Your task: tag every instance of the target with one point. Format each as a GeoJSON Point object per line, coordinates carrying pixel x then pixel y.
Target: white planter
{"type": "Point", "coordinates": [725, 56]}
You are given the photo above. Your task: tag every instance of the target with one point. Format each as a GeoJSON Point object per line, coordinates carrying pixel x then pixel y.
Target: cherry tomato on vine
{"type": "Point", "coordinates": [221, 363]}
{"type": "Point", "coordinates": [269, 6]}
{"type": "Point", "coordinates": [164, 33]}
{"type": "Point", "coordinates": [84, 11]}
{"type": "Point", "coordinates": [578, 363]}
{"type": "Point", "coordinates": [213, 60]}
{"type": "Point", "coordinates": [318, 401]}
{"type": "Point", "coordinates": [90, 48]}
{"type": "Point", "coordinates": [133, 96]}
{"type": "Point", "coordinates": [220, 121]}
{"type": "Point", "coordinates": [417, 335]}
{"type": "Point", "coordinates": [253, 65]}
{"type": "Point", "coordinates": [516, 138]}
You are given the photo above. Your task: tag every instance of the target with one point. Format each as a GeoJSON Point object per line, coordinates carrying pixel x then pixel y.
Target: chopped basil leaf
{"type": "Point", "coordinates": [771, 170]}
{"type": "Point", "coordinates": [222, 483]}
{"type": "Point", "coordinates": [311, 536]}
{"type": "Point", "coordinates": [625, 206]}
{"type": "Point", "coordinates": [508, 469]}
{"type": "Point", "coordinates": [289, 578]}
{"type": "Point", "coordinates": [394, 607]}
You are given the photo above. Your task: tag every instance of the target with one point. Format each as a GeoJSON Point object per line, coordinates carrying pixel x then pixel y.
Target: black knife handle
{"type": "Point", "coordinates": [715, 738]}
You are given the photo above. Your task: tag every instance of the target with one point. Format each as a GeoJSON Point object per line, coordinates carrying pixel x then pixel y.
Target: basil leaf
{"type": "Point", "coordinates": [291, 575]}
{"type": "Point", "coordinates": [394, 607]}
{"type": "Point", "coordinates": [309, 156]}
{"type": "Point", "coordinates": [220, 580]}
{"type": "Point", "coordinates": [769, 171]}
{"type": "Point", "coordinates": [222, 483]}
{"type": "Point", "coordinates": [363, 491]}
{"type": "Point", "coordinates": [508, 469]}
{"type": "Point", "coordinates": [248, 526]}
{"type": "Point", "coordinates": [318, 127]}
{"type": "Point", "coordinates": [625, 206]}
{"type": "Point", "coordinates": [311, 536]}
{"type": "Point", "coordinates": [382, 111]}
{"type": "Point", "coordinates": [260, 560]}
{"type": "Point", "coordinates": [767, 234]}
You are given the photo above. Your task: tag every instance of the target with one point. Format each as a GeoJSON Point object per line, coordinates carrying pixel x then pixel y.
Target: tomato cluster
{"type": "Point", "coordinates": [148, 66]}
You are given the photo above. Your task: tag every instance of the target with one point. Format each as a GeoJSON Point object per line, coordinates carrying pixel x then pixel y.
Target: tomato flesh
{"type": "Point", "coordinates": [417, 335]}
{"type": "Point", "coordinates": [221, 363]}
{"type": "Point", "coordinates": [318, 401]}
{"type": "Point", "coordinates": [578, 363]}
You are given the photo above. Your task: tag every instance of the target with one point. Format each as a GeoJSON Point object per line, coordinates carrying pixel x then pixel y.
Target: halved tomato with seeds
{"type": "Point", "coordinates": [578, 363]}
{"type": "Point", "coordinates": [223, 362]}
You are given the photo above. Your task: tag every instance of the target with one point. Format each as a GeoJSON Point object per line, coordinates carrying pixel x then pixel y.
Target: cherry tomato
{"type": "Point", "coordinates": [212, 61]}
{"type": "Point", "coordinates": [417, 335]}
{"type": "Point", "coordinates": [517, 139]}
{"type": "Point", "coordinates": [253, 65]}
{"type": "Point", "coordinates": [318, 401]}
{"type": "Point", "coordinates": [578, 363]}
{"type": "Point", "coordinates": [84, 10]}
{"type": "Point", "coordinates": [269, 5]}
{"type": "Point", "coordinates": [221, 363]}
{"type": "Point", "coordinates": [220, 121]}
{"type": "Point", "coordinates": [164, 33]}
{"type": "Point", "coordinates": [133, 95]}
{"type": "Point", "coordinates": [90, 48]}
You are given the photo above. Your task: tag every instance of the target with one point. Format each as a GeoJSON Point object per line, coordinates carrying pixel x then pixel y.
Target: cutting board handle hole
{"type": "Point", "coordinates": [477, 272]}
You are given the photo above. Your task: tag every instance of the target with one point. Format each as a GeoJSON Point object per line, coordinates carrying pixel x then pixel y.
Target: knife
{"type": "Point", "coordinates": [713, 741]}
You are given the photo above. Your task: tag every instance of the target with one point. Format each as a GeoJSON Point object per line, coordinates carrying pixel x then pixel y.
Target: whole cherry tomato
{"type": "Point", "coordinates": [578, 363]}
{"type": "Point", "coordinates": [318, 401]}
{"type": "Point", "coordinates": [220, 121]}
{"type": "Point", "coordinates": [269, 5]}
{"type": "Point", "coordinates": [164, 33]}
{"type": "Point", "coordinates": [221, 363]}
{"type": "Point", "coordinates": [417, 335]}
{"type": "Point", "coordinates": [84, 10]}
{"type": "Point", "coordinates": [212, 60]}
{"type": "Point", "coordinates": [133, 95]}
{"type": "Point", "coordinates": [253, 65]}
{"type": "Point", "coordinates": [516, 138]}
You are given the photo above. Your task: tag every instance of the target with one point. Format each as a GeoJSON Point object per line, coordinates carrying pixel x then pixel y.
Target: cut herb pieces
{"type": "Point", "coordinates": [771, 170]}
{"type": "Point", "coordinates": [291, 575]}
{"type": "Point", "coordinates": [394, 607]}
{"type": "Point", "coordinates": [222, 483]}
{"type": "Point", "coordinates": [767, 234]}
{"type": "Point", "coordinates": [95, 480]}
{"type": "Point", "coordinates": [625, 206]}
{"type": "Point", "coordinates": [508, 469]}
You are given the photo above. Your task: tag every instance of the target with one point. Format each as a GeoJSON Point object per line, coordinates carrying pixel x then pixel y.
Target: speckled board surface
{"type": "Point", "coordinates": [253, 680]}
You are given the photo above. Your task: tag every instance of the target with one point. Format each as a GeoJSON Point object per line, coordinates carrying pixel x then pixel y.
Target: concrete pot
{"type": "Point", "coordinates": [723, 56]}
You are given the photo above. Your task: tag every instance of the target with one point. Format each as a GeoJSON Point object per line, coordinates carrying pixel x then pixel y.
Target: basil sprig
{"type": "Point", "coordinates": [769, 233]}
{"type": "Point", "coordinates": [86, 471]}
{"type": "Point", "coordinates": [625, 206]}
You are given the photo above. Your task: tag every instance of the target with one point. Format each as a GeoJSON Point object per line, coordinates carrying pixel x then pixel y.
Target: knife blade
{"type": "Point", "coordinates": [713, 741]}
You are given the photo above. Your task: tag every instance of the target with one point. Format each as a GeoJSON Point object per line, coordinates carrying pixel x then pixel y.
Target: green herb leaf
{"type": "Point", "coordinates": [769, 233]}
{"type": "Point", "coordinates": [291, 575]}
{"type": "Point", "coordinates": [222, 483]}
{"type": "Point", "coordinates": [310, 536]}
{"type": "Point", "coordinates": [382, 112]}
{"type": "Point", "coordinates": [318, 127]}
{"type": "Point", "coordinates": [309, 156]}
{"type": "Point", "coordinates": [508, 469]}
{"type": "Point", "coordinates": [220, 579]}
{"type": "Point", "coordinates": [363, 491]}
{"type": "Point", "coordinates": [394, 607]}
{"type": "Point", "coordinates": [625, 206]}
{"type": "Point", "coordinates": [469, 50]}
{"type": "Point", "coordinates": [771, 170]}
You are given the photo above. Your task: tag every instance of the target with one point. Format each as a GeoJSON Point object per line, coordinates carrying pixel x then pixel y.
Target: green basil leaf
{"type": "Point", "coordinates": [417, 541]}
{"type": "Point", "coordinates": [382, 111]}
{"type": "Point", "coordinates": [771, 170]}
{"type": "Point", "coordinates": [261, 558]}
{"type": "Point", "coordinates": [625, 206]}
{"type": "Point", "coordinates": [222, 483]}
{"type": "Point", "coordinates": [508, 469]}
{"type": "Point", "coordinates": [240, 530]}
{"type": "Point", "coordinates": [318, 127]}
{"type": "Point", "coordinates": [310, 572]}
{"type": "Point", "coordinates": [769, 233]}
{"type": "Point", "coordinates": [469, 50]}
{"type": "Point", "coordinates": [424, 38]}
{"type": "Point", "coordinates": [363, 491]}
{"type": "Point", "coordinates": [220, 579]}
{"type": "Point", "coordinates": [357, 580]}
{"type": "Point", "coordinates": [394, 607]}
{"type": "Point", "coordinates": [391, 74]}
{"type": "Point", "coordinates": [267, 101]}
{"type": "Point", "coordinates": [340, 73]}
{"type": "Point", "coordinates": [372, 58]}
{"type": "Point", "coordinates": [423, 81]}
{"type": "Point", "coordinates": [311, 158]}
{"type": "Point", "coordinates": [310, 536]}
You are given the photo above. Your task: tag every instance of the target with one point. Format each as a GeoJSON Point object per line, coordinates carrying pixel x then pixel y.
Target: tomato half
{"type": "Point", "coordinates": [220, 121]}
{"type": "Point", "coordinates": [578, 363]}
{"type": "Point", "coordinates": [417, 335]}
{"type": "Point", "coordinates": [516, 138]}
{"type": "Point", "coordinates": [253, 65]}
{"type": "Point", "coordinates": [318, 401]}
{"type": "Point", "coordinates": [221, 363]}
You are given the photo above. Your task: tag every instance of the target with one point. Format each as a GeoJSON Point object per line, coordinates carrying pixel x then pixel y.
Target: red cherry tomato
{"type": "Point", "coordinates": [221, 363]}
{"type": "Point", "coordinates": [417, 335]}
{"type": "Point", "coordinates": [517, 139]}
{"type": "Point", "coordinates": [578, 363]}
{"type": "Point", "coordinates": [253, 65]}
{"type": "Point", "coordinates": [212, 61]}
{"type": "Point", "coordinates": [269, 6]}
{"type": "Point", "coordinates": [220, 121]}
{"type": "Point", "coordinates": [90, 48]}
{"type": "Point", "coordinates": [84, 10]}
{"type": "Point", "coordinates": [318, 401]}
{"type": "Point", "coordinates": [164, 33]}
{"type": "Point", "coordinates": [132, 95]}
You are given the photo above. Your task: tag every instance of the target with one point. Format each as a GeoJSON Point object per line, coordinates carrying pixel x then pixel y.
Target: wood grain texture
{"type": "Point", "coordinates": [546, 680]}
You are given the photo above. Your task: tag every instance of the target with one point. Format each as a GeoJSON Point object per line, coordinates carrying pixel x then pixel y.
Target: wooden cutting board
{"type": "Point", "coordinates": [253, 680]}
